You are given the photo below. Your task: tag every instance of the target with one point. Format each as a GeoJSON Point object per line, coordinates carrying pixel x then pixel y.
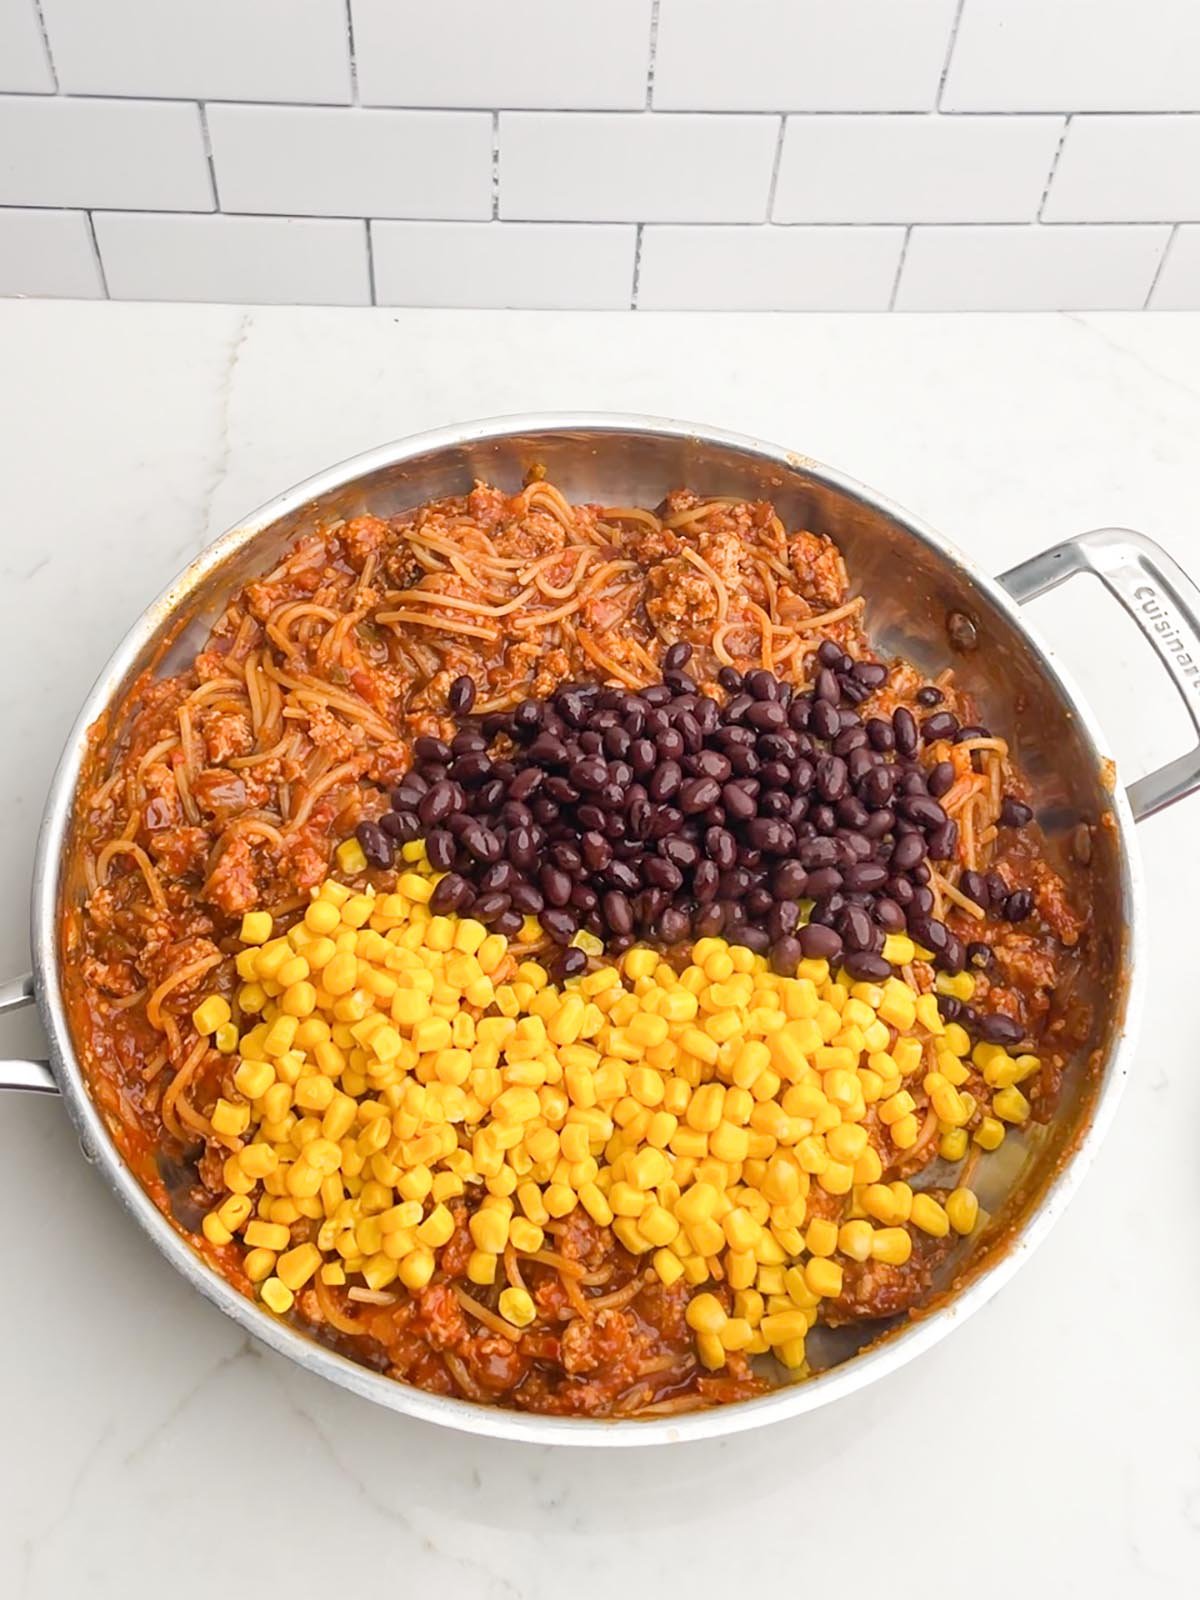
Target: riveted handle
{"type": "Point", "coordinates": [35, 1075]}
{"type": "Point", "coordinates": [1163, 601]}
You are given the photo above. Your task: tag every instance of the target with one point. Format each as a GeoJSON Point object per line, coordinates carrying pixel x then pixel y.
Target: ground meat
{"type": "Point", "coordinates": [180, 851]}
{"type": "Point", "coordinates": [227, 733]}
{"type": "Point", "coordinates": [820, 570]}
{"type": "Point", "coordinates": [678, 593]}
{"type": "Point", "coordinates": [441, 1317]}
{"type": "Point", "coordinates": [1051, 902]}
{"type": "Point", "coordinates": [233, 883]}
{"type": "Point", "coordinates": [1025, 962]}
{"type": "Point", "coordinates": [162, 808]}
{"type": "Point", "coordinates": [224, 795]}
{"type": "Point", "coordinates": [363, 537]}
{"type": "Point", "coordinates": [872, 1289]}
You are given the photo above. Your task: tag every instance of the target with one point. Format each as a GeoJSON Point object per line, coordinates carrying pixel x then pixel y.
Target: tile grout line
{"type": "Point", "coordinates": [208, 154]}
{"type": "Point", "coordinates": [91, 222]}
{"type": "Point", "coordinates": [370, 259]}
{"type": "Point", "coordinates": [495, 166]}
{"type": "Point", "coordinates": [775, 165]}
{"type": "Point", "coordinates": [900, 267]}
{"type": "Point", "coordinates": [353, 57]}
{"type": "Point", "coordinates": [1158, 271]}
{"type": "Point", "coordinates": [637, 268]}
{"type": "Point", "coordinates": [1130, 113]}
{"type": "Point", "coordinates": [1058, 150]}
{"type": "Point", "coordinates": [937, 104]}
{"type": "Point", "coordinates": [652, 56]}
{"type": "Point", "coordinates": [37, 6]}
{"type": "Point", "coordinates": [577, 222]}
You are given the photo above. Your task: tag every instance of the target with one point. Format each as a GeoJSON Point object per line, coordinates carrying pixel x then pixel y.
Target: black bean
{"type": "Point", "coordinates": [400, 826]}
{"type": "Point", "coordinates": [827, 688]}
{"type": "Point", "coordinates": [943, 841]}
{"type": "Point", "coordinates": [584, 898]}
{"type": "Point", "coordinates": [950, 1008]}
{"type": "Point", "coordinates": [930, 695]}
{"type": "Point", "coordinates": [907, 852]}
{"type": "Point", "coordinates": [559, 924]}
{"type": "Point", "coordinates": [922, 810]}
{"type": "Point", "coordinates": [786, 955]}
{"type": "Point", "coordinates": [664, 781]}
{"type": "Point", "coordinates": [880, 734]}
{"type": "Point", "coordinates": [618, 912]}
{"type": "Point", "coordinates": [482, 843]}
{"type": "Point", "coordinates": [450, 892]}
{"type": "Point", "coordinates": [979, 955]}
{"type": "Point", "coordinates": [437, 803]}
{"type": "Point", "coordinates": [823, 882]}
{"type": "Point", "coordinates": [488, 907]}
{"type": "Point", "coordinates": [697, 794]}
{"type": "Point", "coordinates": [555, 884]}
{"type": "Point", "coordinates": [705, 878]}
{"type": "Point", "coordinates": [503, 875]}
{"type": "Point", "coordinates": [572, 962]}
{"type": "Point", "coordinates": [526, 783]}
{"type": "Point", "coordinates": [997, 1028]}
{"type": "Point", "coordinates": [730, 678]}
{"type": "Point", "coordinates": [1014, 813]}
{"type": "Point", "coordinates": [711, 764]}
{"type": "Point", "coordinates": [622, 875]}
{"type": "Point", "coordinates": [1018, 906]}
{"type": "Point", "coordinates": [766, 715]}
{"type": "Point", "coordinates": [940, 779]}
{"type": "Point", "coordinates": [755, 939]}
{"type": "Point", "coordinates": [677, 656]}
{"type": "Point", "coordinates": [832, 778]}
{"type": "Point", "coordinates": [376, 846]}
{"type": "Point", "coordinates": [866, 967]}
{"type": "Point", "coordinates": [942, 725]}
{"type": "Point", "coordinates": [854, 925]}
{"type": "Point", "coordinates": [904, 730]}
{"type": "Point", "coordinates": [566, 855]}
{"type": "Point", "coordinates": [870, 673]}
{"type": "Point", "coordinates": [427, 748]}
{"type": "Point", "coordinates": [928, 931]}
{"type": "Point", "coordinates": [888, 915]}
{"type": "Point", "coordinates": [461, 696]}
{"type": "Point", "coordinates": [825, 720]}
{"type": "Point", "coordinates": [954, 957]}
{"type": "Point", "coordinates": [819, 943]}
{"type": "Point", "coordinates": [868, 875]}
{"type": "Point", "coordinates": [527, 899]}
{"type": "Point", "coordinates": [508, 923]}
{"type": "Point", "coordinates": [974, 886]}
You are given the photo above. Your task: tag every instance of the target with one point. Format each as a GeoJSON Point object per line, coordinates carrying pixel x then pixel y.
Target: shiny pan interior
{"type": "Point", "coordinates": [918, 590]}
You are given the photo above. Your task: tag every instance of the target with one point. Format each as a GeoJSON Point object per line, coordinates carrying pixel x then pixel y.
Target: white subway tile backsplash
{"type": "Point", "coordinates": [202, 49]}
{"type": "Point", "coordinates": [527, 264]}
{"type": "Point", "coordinates": [316, 161]}
{"type": "Point", "coordinates": [246, 260]}
{"type": "Point", "coordinates": [800, 55]}
{"type": "Point", "coordinates": [520, 53]}
{"type": "Point", "coordinates": [764, 268]}
{"type": "Point", "coordinates": [914, 169]}
{"type": "Point", "coordinates": [1178, 286]}
{"type": "Point", "coordinates": [1127, 169]}
{"type": "Point", "coordinates": [48, 253]}
{"type": "Point", "coordinates": [1030, 269]}
{"type": "Point", "coordinates": [24, 67]}
{"type": "Point", "coordinates": [1075, 55]}
{"type": "Point", "coordinates": [105, 153]}
{"type": "Point", "coordinates": [592, 167]}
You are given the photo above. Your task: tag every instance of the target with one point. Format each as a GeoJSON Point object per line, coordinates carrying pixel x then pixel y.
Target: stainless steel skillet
{"type": "Point", "coordinates": [925, 600]}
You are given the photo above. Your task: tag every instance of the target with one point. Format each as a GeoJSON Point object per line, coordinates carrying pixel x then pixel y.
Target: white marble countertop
{"type": "Point", "coordinates": [150, 1448]}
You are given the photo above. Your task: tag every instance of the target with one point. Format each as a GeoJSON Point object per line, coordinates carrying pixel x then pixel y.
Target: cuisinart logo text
{"type": "Point", "coordinates": [1159, 621]}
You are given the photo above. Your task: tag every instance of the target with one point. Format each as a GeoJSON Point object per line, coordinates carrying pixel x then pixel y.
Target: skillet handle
{"type": "Point", "coordinates": [35, 1075]}
{"type": "Point", "coordinates": [1163, 601]}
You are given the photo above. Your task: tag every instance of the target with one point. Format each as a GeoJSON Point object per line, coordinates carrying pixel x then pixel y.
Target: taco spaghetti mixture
{"type": "Point", "coordinates": [542, 951]}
